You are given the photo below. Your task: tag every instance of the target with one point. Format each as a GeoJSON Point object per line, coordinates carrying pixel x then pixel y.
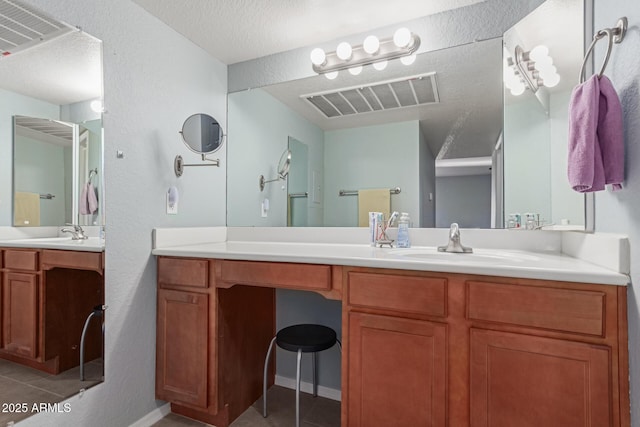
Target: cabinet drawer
{"type": "Point", "coordinates": [183, 272]}
{"type": "Point", "coordinates": [21, 260]}
{"type": "Point", "coordinates": [72, 259]}
{"type": "Point", "coordinates": [409, 294]}
{"type": "Point", "coordinates": [277, 274]}
{"type": "Point", "coordinates": [568, 310]}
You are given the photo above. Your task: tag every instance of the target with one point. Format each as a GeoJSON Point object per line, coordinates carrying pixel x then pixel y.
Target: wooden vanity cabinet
{"type": "Point", "coordinates": [36, 331]}
{"type": "Point", "coordinates": [419, 348]}
{"type": "Point", "coordinates": [448, 349]}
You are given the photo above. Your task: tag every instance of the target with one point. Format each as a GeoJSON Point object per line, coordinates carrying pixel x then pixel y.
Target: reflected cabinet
{"type": "Point", "coordinates": [419, 348]}
{"type": "Point", "coordinates": [46, 297]}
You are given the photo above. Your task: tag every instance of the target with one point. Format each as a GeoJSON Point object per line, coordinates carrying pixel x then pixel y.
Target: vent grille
{"type": "Point", "coordinates": [60, 130]}
{"type": "Point", "coordinates": [22, 27]}
{"type": "Point", "coordinates": [405, 92]}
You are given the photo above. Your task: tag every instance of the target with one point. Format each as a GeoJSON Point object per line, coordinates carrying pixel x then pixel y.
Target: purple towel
{"type": "Point", "coordinates": [596, 138]}
{"type": "Point", "coordinates": [88, 202]}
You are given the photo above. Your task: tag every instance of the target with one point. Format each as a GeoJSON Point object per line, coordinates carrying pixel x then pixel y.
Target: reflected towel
{"type": "Point", "coordinates": [26, 210]}
{"type": "Point", "coordinates": [88, 202]}
{"type": "Point", "coordinates": [596, 137]}
{"type": "Point", "coordinates": [377, 200]}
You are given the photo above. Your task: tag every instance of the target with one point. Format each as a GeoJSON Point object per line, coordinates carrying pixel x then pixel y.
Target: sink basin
{"type": "Point", "coordinates": [479, 255]}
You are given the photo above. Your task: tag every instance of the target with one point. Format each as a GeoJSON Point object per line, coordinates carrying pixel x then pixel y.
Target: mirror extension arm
{"type": "Point", "coordinates": [179, 165]}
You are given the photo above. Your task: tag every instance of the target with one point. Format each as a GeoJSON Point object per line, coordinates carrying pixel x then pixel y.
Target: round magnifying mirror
{"type": "Point", "coordinates": [284, 163]}
{"type": "Point", "coordinates": [202, 133]}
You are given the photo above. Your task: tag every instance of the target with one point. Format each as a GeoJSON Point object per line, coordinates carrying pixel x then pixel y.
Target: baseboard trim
{"type": "Point", "coordinates": [153, 417]}
{"type": "Point", "coordinates": [306, 387]}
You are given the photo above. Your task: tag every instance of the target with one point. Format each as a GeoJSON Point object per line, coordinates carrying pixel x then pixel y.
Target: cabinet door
{"type": "Point", "coordinates": [522, 380]}
{"type": "Point", "coordinates": [20, 314]}
{"type": "Point", "coordinates": [397, 372]}
{"type": "Point", "coordinates": [181, 365]}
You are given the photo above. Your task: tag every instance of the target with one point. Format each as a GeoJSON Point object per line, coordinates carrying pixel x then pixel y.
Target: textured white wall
{"type": "Point", "coordinates": [153, 80]}
{"type": "Point", "coordinates": [618, 212]}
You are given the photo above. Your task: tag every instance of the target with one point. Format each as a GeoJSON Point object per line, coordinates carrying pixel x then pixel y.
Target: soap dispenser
{"type": "Point", "coordinates": [403, 231]}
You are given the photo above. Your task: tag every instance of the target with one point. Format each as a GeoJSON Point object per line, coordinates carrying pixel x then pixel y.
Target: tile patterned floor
{"type": "Point", "coordinates": [281, 405]}
{"type": "Point", "coordinates": [20, 384]}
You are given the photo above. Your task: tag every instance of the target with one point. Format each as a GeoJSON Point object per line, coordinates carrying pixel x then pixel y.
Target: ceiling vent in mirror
{"type": "Point", "coordinates": [386, 95]}
{"type": "Point", "coordinates": [22, 27]}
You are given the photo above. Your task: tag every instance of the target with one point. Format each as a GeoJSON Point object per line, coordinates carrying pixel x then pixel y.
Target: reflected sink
{"type": "Point", "coordinates": [479, 255]}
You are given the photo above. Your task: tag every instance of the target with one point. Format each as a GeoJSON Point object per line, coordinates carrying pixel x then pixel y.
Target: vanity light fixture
{"type": "Point", "coordinates": [532, 70]}
{"type": "Point", "coordinates": [374, 51]}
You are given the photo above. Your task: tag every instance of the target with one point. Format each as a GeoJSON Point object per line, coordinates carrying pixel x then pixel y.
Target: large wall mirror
{"type": "Point", "coordinates": [444, 147]}
{"type": "Point", "coordinates": [50, 150]}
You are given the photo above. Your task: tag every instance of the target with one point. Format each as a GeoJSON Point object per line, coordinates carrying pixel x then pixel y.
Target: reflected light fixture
{"type": "Point", "coordinates": [97, 106]}
{"type": "Point", "coordinates": [529, 70]}
{"type": "Point", "coordinates": [373, 51]}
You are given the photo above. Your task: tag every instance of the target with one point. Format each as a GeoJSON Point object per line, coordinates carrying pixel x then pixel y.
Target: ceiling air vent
{"type": "Point", "coordinates": [22, 27]}
{"type": "Point", "coordinates": [387, 95]}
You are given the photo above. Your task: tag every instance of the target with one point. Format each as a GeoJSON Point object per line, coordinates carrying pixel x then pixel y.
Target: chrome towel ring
{"type": "Point", "coordinates": [614, 35]}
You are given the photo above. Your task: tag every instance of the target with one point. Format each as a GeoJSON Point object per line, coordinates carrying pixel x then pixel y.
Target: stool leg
{"type": "Point", "coordinates": [264, 379]}
{"type": "Point", "coordinates": [298, 389]}
{"type": "Point", "coordinates": [339, 345]}
{"type": "Point", "coordinates": [84, 332]}
{"type": "Point", "coordinates": [315, 373]}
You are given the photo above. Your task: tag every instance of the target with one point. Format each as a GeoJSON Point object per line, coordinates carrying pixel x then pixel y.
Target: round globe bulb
{"type": "Point", "coordinates": [552, 80]}
{"type": "Point", "coordinates": [318, 57]}
{"type": "Point", "coordinates": [408, 60]}
{"type": "Point", "coordinates": [355, 70]}
{"type": "Point", "coordinates": [331, 75]}
{"type": "Point", "coordinates": [517, 90]}
{"type": "Point", "coordinates": [344, 51]}
{"type": "Point", "coordinates": [402, 37]}
{"type": "Point", "coordinates": [544, 63]}
{"type": "Point", "coordinates": [548, 72]}
{"type": "Point", "coordinates": [539, 52]}
{"type": "Point", "coordinates": [96, 106]}
{"type": "Point", "coordinates": [380, 65]}
{"type": "Point", "coordinates": [371, 45]}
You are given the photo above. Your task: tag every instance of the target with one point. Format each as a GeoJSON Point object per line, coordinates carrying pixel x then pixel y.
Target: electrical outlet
{"type": "Point", "coordinates": [264, 208]}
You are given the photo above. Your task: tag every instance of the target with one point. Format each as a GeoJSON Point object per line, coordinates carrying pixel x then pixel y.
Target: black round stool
{"type": "Point", "coordinates": [305, 338]}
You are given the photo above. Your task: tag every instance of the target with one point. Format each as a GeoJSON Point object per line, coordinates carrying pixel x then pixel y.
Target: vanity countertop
{"type": "Point", "coordinates": [92, 244]}
{"type": "Point", "coordinates": [493, 262]}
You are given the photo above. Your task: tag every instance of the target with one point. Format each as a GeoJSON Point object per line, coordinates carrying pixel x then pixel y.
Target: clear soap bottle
{"type": "Point", "coordinates": [403, 231]}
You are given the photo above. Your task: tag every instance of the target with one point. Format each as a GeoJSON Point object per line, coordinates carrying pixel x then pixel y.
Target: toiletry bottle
{"type": "Point", "coordinates": [403, 231]}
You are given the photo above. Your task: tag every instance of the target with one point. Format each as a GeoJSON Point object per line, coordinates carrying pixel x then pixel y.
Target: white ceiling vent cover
{"type": "Point", "coordinates": [22, 27]}
{"type": "Point", "coordinates": [405, 92]}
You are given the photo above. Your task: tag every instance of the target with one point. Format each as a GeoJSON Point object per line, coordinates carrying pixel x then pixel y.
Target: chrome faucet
{"type": "Point", "coordinates": [77, 233]}
{"type": "Point", "coordinates": [454, 244]}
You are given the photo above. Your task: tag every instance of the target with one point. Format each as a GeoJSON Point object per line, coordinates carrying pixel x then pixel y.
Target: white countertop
{"type": "Point", "coordinates": [92, 244]}
{"type": "Point", "coordinates": [494, 262]}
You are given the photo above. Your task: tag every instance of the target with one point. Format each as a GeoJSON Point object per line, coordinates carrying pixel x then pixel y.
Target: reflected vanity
{"type": "Point", "coordinates": [51, 146]}
{"type": "Point", "coordinates": [448, 150]}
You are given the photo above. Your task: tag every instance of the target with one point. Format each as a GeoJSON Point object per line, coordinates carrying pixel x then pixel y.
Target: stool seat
{"type": "Point", "coordinates": [307, 338]}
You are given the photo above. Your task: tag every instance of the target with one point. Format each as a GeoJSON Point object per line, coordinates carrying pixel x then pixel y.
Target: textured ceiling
{"type": "Point", "coordinates": [61, 71]}
{"type": "Point", "coordinates": [240, 30]}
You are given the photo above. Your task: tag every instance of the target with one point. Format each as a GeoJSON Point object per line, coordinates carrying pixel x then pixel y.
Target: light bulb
{"type": "Point", "coordinates": [331, 75]}
{"type": "Point", "coordinates": [539, 52]}
{"type": "Point", "coordinates": [543, 63]}
{"type": "Point", "coordinates": [547, 72]}
{"type": "Point", "coordinates": [344, 51]}
{"type": "Point", "coordinates": [380, 65]}
{"type": "Point", "coordinates": [355, 70]}
{"type": "Point", "coordinates": [518, 90]}
{"type": "Point", "coordinates": [96, 106]}
{"type": "Point", "coordinates": [371, 45]}
{"type": "Point", "coordinates": [408, 60]}
{"type": "Point", "coordinates": [318, 57]}
{"type": "Point", "coordinates": [402, 37]}
{"type": "Point", "coordinates": [508, 73]}
{"type": "Point", "coordinates": [552, 80]}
